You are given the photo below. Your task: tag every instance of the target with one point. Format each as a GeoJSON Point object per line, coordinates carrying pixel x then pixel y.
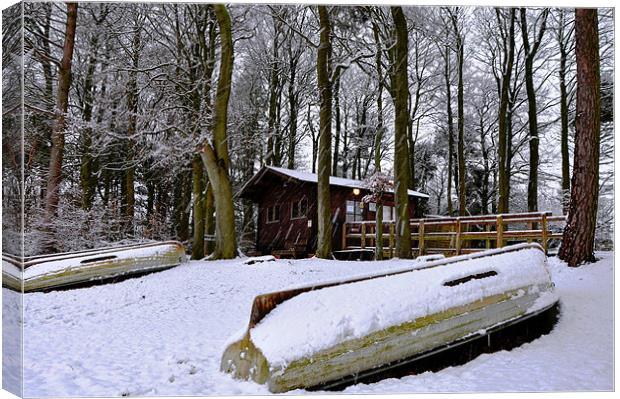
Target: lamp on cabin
{"type": "Point", "coordinates": [356, 191]}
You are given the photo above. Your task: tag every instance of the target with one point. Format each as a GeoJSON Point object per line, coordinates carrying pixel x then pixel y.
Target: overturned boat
{"type": "Point", "coordinates": [48, 272]}
{"type": "Point", "coordinates": [312, 336]}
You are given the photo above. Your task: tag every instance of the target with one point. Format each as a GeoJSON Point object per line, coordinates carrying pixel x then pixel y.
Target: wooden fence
{"type": "Point", "coordinates": [459, 235]}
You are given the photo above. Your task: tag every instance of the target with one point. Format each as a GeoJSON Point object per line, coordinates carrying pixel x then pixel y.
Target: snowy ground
{"type": "Point", "coordinates": [163, 334]}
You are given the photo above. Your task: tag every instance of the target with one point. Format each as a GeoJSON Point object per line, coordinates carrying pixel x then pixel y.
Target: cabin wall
{"type": "Point", "coordinates": [281, 234]}
{"type": "Point", "coordinates": [276, 235]}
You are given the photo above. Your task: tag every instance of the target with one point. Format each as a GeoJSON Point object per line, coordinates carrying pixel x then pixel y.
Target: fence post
{"type": "Point", "coordinates": [500, 232]}
{"type": "Point", "coordinates": [487, 227]}
{"type": "Point", "coordinates": [344, 235]}
{"type": "Point", "coordinates": [363, 238]}
{"type": "Point", "coordinates": [392, 240]}
{"type": "Point", "coordinates": [458, 236]}
{"type": "Point", "coordinates": [421, 238]}
{"type": "Point", "coordinates": [544, 232]}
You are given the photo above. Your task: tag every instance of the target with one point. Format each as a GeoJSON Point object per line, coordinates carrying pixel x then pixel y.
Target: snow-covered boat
{"type": "Point", "coordinates": [311, 336]}
{"type": "Point", "coordinates": [41, 273]}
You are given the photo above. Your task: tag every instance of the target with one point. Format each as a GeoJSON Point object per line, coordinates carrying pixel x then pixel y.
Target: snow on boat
{"type": "Point", "coordinates": [310, 336]}
{"type": "Point", "coordinates": [42, 273]}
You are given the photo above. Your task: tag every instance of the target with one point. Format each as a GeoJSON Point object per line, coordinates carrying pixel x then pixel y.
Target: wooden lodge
{"type": "Point", "coordinates": [287, 209]}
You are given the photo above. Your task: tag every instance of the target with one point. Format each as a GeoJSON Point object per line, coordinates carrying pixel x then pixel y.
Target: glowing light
{"type": "Point", "coordinates": [356, 191]}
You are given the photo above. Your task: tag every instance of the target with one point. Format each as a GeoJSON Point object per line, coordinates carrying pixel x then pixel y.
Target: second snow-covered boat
{"type": "Point", "coordinates": [309, 336]}
{"type": "Point", "coordinates": [42, 273]}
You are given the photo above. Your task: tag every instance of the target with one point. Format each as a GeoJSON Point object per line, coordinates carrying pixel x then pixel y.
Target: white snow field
{"type": "Point", "coordinates": [163, 334]}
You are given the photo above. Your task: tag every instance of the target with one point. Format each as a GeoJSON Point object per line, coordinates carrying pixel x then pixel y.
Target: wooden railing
{"type": "Point", "coordinates": [459, 235]}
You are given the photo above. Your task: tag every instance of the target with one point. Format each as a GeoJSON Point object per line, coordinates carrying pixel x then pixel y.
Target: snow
{"type": "Point", "coordinates": [333, 180]}
{"type": "Point", "coordinates": [163, 334]}
{"type": "Point", "coordinates": [335, 314]}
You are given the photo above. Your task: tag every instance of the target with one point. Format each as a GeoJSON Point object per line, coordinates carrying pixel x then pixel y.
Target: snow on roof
{"type": "Point", "coordinates": [334, 181]}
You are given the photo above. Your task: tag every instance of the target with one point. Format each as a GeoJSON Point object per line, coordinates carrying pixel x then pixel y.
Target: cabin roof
{"type": "Point", "coordinates": [309, 177]}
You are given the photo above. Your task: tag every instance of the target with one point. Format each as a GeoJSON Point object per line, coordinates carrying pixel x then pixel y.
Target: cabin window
{"type": "Point", "coordinates": [354, 211]}
{"type": "Point", "coordinates": [299, 209]}
{"type": "Point", "coordinates": [273, 214]}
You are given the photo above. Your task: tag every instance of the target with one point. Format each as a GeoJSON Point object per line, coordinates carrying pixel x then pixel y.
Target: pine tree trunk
{"type": "Point", "coordinates": [324, 224]}
{"type": "Point", "coordinates": [401, 149]}
{"type": "Point", "coordinates": [578, 240]}
{"type": "Point", "coordinates": [215, 156]}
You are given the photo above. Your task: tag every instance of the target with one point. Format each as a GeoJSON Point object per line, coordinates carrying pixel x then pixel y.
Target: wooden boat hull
{"type": "Point", "coordinates": [245, 359]}
{"type": "Point", "coordinates": [44, 273]}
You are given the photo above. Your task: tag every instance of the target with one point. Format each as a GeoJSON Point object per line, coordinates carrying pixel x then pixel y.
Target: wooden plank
{"type": "Point", "coordinates": [458, 236]}
{"type": "Point", "coordinates": [500, 231]}
{"type": "Point", "coordinates": [363, 236]}
{"type": "Point", "coordinates": [544, 233]}
{"type": "Point", "coordinates": [391, 240]}
{"type": "Point", "coordinates": [421, 238]}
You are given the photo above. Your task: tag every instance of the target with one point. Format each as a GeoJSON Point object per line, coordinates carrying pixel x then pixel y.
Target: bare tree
{"type": "Point", "coordinates": [400, 88]}
{"type": "Point", "coordinates": [215, 154]}
{"type": "Point", "coordinates": [62, 103]}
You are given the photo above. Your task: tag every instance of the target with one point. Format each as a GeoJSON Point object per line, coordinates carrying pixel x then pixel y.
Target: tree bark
{"type": "Point", "coordinates": [324, 224]}
{"type": "Point", "coordinates": [62, 102]}
{"type": "Point", "coordinates": [564, 114]}
{"type": "Point", "coordinates": [198, 188]}
{"type": "Point", "coordinates": [378, 140]}
{"type": "Point", "coordinates": [504, 177]}
{"type": "Point", "coordinates": [461, 116]}
{"type": "Point", "coordinates": [401, 149]}
{"type": "Point", "coordinates": [215, 155]}
{"type": "Point", "coordinates": [578, 240]}
{"type": "Point", "coordinates": [530, 54]}
{"type": "Point", "coordinates": [450, 125]}
{"type": "Point", "coordinates": [132, 109]}
{"type": "Point", "coordinates": [337, 138]}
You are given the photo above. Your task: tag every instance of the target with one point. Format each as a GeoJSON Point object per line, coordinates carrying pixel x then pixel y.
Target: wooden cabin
{"type": "Point", "coordinates": [287, 209]}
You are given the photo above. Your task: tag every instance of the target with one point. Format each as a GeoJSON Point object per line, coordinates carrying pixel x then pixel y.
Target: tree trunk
{"type": "Point", "coordinates": [324, 224]}
{"type": "Point", "coordinates": [461, 117]}
{"type": "Point", "coordinates": [215, 155]}
{"type": "Point", "coordinates": [504, 177]}
{"type": "Point", "coordinates": [88, 179]}
{"type": "Point", "coordinates": [62, 103]}
{"type": "Point", "coordinates": [198, 185]}
{"type": "Point", "coordinates": [578, 240]}
{"type": "Point", "coordinates": [209, 220]}
{"type": "Point", "coordinates": [293, 110]}
{"type": "Point", "coordinates": [337, 138]}
{"type": "Point", "coordinates": [378, 140]}
{"type": "Point", "coordinates": [401, 150]}
{"type": "Point", "coordinates": [274, 82]}
{"type": "Point", "coordinates": [450, 125]}
{"type": "Point", "coordinates": [530, 54]}
{"type": "Point", "coordinates": [132, 108]}
{"type": "Point", "coordinates": [564, 115]}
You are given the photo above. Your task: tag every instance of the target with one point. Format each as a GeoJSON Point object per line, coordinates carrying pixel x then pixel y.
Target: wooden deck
{"type": "Point", "coordinates": [460, 235]}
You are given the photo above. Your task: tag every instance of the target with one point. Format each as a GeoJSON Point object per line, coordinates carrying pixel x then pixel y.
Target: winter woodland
{"type": "Point", "coordinates": [118, 132]}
